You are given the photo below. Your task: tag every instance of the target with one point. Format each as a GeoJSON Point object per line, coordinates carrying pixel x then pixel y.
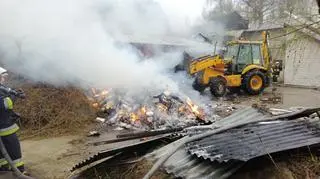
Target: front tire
{"type": "Point", "coordinates": [218, 87]}
{"type": "Point", "coordinates": [254, 82]}
{"type": "Point", "coordinates": [198, 86]}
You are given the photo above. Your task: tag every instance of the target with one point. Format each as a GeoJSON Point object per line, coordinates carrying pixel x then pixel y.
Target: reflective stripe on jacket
{"type": "Point", "coordinates": [18, 162]}
{"type": "Point", "coordinates": [8, 103]}
{"type": "Point", "coordinates": [9, 130]}
{"type": "Point", "coordinates": [7, 124]}
{"type": "Point", "coordinates": [3, 162]}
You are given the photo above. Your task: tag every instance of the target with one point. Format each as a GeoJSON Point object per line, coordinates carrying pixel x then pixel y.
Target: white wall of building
{"type": "Point", "coordinates": [302, 62]}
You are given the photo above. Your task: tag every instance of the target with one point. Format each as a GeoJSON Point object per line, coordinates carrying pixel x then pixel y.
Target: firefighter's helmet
{"type": "Point", "coordinates": [2, 71]}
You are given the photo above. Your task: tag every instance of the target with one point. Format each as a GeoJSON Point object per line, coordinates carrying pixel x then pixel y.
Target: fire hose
{"type": "Point", "coordinates": [15, 170]}
{"type": "Point", "coordinates": [6, 91]}
{"type": "Point", "coordinates": [181, 142]}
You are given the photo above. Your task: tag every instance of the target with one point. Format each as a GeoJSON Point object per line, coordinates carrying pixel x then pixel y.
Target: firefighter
{"type": "Point", "coordinates": [8, 129]}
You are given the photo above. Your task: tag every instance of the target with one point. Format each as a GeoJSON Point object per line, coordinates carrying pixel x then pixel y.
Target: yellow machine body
{"type": "Point", "coordinates": [248, 57]}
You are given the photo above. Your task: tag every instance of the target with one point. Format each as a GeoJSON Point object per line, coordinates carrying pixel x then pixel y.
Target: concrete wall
{"type": "Point", "coordinates": [302, 61]}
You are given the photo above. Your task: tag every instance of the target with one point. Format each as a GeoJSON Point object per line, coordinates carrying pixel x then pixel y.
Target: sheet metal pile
{"type": "Point", "coordinates": [254, 140]}
{"type": "Point", "coordinates": [220, 155]}
{"type": "Point", "coordinates": [184, 165]}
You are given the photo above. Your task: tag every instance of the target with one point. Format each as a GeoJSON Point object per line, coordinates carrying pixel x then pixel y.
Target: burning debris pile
{"type": "Point", "coordinates": [157, 112]}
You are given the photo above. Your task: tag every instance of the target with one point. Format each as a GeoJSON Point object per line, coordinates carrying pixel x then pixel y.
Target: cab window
{"type": "Point", "coordinates": [256, 54]}
{"type": "Point", "coordinates": [232, 52]}
{"type": "Point", "coordinates": [245, 56]}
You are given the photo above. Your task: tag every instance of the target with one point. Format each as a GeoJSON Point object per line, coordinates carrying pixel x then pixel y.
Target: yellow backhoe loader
{"type": "Point", "coordinates": [244, 65]}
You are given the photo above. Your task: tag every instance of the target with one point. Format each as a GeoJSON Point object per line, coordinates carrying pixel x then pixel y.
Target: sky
{"type": "Point", "coordinates": [185, 10]}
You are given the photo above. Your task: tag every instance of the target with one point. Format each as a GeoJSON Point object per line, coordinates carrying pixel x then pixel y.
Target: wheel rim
{"type": "Point", "coordinates": [256, 82]}
{"type": "Point", "coordinates": [220, 88]}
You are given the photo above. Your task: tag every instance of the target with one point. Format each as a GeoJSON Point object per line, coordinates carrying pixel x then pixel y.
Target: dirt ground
{"type": "Point", "coordinates": [291, 97]}
{"type": "Point", "coordinates": [52, 158]}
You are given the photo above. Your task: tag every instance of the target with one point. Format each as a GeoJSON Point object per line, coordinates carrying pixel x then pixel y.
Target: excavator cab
{"type": "Point", "coordinates": [243, 65]}
{"type": "Point", "coordinates": [239, 55]}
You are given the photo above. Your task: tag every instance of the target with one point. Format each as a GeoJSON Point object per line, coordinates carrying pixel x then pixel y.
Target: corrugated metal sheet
{"type": "Point", "coordinates": [102, 154]}
{"type": "Point", "coordinates": [184, 165]}
{"type": "Point", "coordinates": [258, 139]}
{"type": "Point", "coordinates": [248, 114]}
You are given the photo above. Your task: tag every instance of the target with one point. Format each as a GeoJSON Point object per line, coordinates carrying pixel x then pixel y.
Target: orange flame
{"type": "Point", "coordinates": [140, 114]}
{"type": "Point", "coordinates": [183, 109]}
{"type": "Point", "coordinates": [96, 94]}
{"type": "Point", "coordinates": [162, 108]}
{"type": "Point", "coordinates": [98, 97]}
{"type": "Point", "coordinates": [194, 108]}
{"type": "Point", "coordinates": [134, 117]}
{"type": "Point", "coordinates": [104, 92]}
{"type": "Point", "coordinates": [95, 105]}
{"type": "Point", "coordinates": [143, 110]}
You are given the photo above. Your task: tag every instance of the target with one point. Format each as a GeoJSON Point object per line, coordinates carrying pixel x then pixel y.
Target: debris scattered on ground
{"type": "Point", "coordinates": [223, 110]}
{"type": "Point", "coordinates": [100, 119]}
{"type": "Point", "coordinates": [274, 97]}
{"type": "Point", "coordinates": [277, 111]}
{"type": "Point", "coordinates": [93, 134]}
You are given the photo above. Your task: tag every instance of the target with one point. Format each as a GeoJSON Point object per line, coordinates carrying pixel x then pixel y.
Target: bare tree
{"type": "Point", "coordinates": [259, 11]}
{"type": "Point", "coordinates": [219, 8]}
{"type": "Point", "coordinates": [254, 10]}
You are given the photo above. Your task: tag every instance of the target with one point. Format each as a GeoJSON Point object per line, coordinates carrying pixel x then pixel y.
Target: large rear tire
{"type": "Point", "coordinates": [254, 82]}
{"type": "Point", "coordinates": [218, 87]}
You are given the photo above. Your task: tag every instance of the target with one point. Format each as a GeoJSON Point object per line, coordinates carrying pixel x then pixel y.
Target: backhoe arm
{"type": "Point", "coordinates": [266, 51]}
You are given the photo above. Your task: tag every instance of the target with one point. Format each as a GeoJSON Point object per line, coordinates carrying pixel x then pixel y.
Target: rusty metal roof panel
{"type": "Point", "coordinates": [254, 140]}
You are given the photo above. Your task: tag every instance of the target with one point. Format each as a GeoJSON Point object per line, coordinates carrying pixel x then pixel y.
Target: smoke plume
{"type": "Point", "coordinates": [76, 41]}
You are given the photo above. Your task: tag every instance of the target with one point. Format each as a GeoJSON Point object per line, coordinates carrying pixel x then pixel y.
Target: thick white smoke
{"type": "Point", "coordinates": [67, 41]}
